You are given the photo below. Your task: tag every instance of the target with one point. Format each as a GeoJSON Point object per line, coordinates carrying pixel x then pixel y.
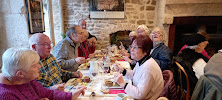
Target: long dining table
{"type": "Point", "coordinates": [97, 83]}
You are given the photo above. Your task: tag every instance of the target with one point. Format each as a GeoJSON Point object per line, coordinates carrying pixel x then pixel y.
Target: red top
{"type": "Point", "coordinates": [85, 49]}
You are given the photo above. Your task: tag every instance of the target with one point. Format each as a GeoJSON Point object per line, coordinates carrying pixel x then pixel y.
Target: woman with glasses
{"type": "Point", "coordinates": [160, 52]}
{"type": "Point", "coordinates": [147, 80]}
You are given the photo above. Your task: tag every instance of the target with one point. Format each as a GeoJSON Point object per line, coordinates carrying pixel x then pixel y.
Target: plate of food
{"type": "Point", "coordinates": [110, 84]}
{"type": "Point", "coordinates": [76, 82]}
{"type": "Point", "coordinates": [84, 66]}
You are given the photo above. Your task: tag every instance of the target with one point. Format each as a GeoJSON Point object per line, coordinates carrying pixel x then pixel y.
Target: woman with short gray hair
{"type": "Point", "coordinates": [143, 30]}
{"type": "Point", "coordinates": [17, 80]}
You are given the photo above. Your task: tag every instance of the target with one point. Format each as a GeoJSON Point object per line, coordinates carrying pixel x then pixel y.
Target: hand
{"type": "Point", "coordinates": [92, 41]}
{"type": "Point", "coordinates": [60, 87]}
{"type": "Point", "coordinates": [77, 74]}
{"type": "Point", "coordinates": [124, 53]}
{"type": "Point", "coordinates": [127, 59]}
{"type": "Point", "coordinates": [119, 79]}
{"type": "Point", "coordinates": [91, 55]}
{"type": "Point", "coordinates": [77, 92]}
{"type": "Point", "coordinates": [80, 60]}
{"type": "Point", "coordinates": [118, 68]}
{"type": "Point", "coordinates": [122, 48]}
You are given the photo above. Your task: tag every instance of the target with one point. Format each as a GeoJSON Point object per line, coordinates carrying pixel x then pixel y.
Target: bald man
{"type": "Point", "coordinates": [91, 38]}
{"type": "Point", "coordinates": [51, 75]}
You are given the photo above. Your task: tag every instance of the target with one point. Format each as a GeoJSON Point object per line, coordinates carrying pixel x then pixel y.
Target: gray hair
{"type": "Point", "coordinates": [15, 59]}
{"type": "Point", "coordinates": [132, 32]}
{"type": "Point", "coordinates": [34, 39]}
{"type": "Point", "coordinates": [72, 30]}
{"type": "Point", "coordinates": [161, 31]}
{"type": "Point", "coordinates": [81, 21]}
{"type": "Point", "coordinates": [145, 28]}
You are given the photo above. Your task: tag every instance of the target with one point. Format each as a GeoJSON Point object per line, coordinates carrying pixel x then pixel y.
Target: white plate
{"type": "Point", "coordinates": [79, 84]}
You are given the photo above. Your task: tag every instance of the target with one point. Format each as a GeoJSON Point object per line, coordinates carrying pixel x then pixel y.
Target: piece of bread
{"type": "Point", "coordinates": [104, 91]}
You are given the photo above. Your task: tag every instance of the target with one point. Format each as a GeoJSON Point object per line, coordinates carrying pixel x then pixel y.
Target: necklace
{"type": "Point", "coordinates": [28, 85]}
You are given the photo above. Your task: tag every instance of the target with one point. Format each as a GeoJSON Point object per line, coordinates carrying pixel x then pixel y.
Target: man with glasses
{"type": "Point", "coordinates": [51, 75]}
{"type": "Point", "coordinates": [91, 38]}
{"type": "Point", "coordinates": [66, 51]}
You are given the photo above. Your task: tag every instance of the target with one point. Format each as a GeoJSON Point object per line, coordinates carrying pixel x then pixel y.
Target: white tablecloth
{"type": "Point", "coordinates": [96, 86]}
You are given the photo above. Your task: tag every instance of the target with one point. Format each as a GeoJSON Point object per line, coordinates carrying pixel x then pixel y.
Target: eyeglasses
{"type": "Point", "coordinates": [136, 48]}
{"type": "Point", "coordinates": [45, 44]}
{"type": "Point", "coordinates": [156, 32]}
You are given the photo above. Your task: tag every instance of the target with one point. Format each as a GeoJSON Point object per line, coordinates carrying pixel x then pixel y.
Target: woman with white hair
{"type": "Point", "coordinates": [17, 80]}
{"type": "Point", "coordinates": [142, 30]}
{"type": "Point", "coordinates": [160, 52]}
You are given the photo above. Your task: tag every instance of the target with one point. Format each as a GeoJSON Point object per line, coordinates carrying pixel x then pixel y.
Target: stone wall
{"type": "Point", "coordinates": [13, 27]}
{"type": "Point", "coordinates": [137, 12]}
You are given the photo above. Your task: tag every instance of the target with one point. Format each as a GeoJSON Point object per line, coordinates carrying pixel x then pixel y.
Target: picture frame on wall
{"type": "Point", "coordinates": [107, 8]}
{"type": "Point", "coordinates": [35, 16]}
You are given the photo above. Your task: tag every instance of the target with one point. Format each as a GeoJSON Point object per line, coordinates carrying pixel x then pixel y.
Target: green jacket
{"type": "Point", "coordinates": [206, 90]}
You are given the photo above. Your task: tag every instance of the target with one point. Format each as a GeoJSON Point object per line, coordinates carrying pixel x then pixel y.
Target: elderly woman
{"type": "Point", "coordinates": [160, 52]}
{"type": "Point", "coordinates": [192, 60]}
{"type": "Point", "coordinates": [17, 80]}
{"type": "Point", "coordinates": [147, 80]}
{"type": "Point", "coordinates": [142, 30]}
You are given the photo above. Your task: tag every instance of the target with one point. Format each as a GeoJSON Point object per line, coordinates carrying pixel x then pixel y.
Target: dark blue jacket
{"type": "Point", "coordinates": [162, 55]}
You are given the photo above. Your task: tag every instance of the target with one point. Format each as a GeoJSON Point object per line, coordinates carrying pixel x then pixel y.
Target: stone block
{"type": "Point", "coordinates": [142, 8]}
{"type": "Point", "coordinates": [132, 21]}
{"type": "Point", "coordinates": [153, 2]}
{"type": "Point", "coordinates": [139, 22]}
{"type": "Point", "coordinates": [100, 25]}
{"type": "Point", "coordinates": [150, 15]}
{"type": "Point", "coordinates": [130, 9]}
{"type": "Point", "coordinates": [70, 12]}
{"type": "Point", "coordinates": [148, 2]}
{"type": "Point", "coordinates": [142, 16]}
{"type": "Point", "coordinates": [77, 5]}
{"type": "Point", "coordinates": [150, 22]}
{"type": "Point", "coordinates": [127, 1]}
{"type": "Point", "coordinates": [150, 8]}
{"type": "Point", "coordinates": [135, 2]}
{"type": "Point", "coordinates": [136, 17]}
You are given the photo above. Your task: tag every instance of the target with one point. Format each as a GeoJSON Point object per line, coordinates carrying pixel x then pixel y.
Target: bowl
{"type": "Point", "coordinates": [86, 79]}
{"type": "Point", "coordinates": [108, 83]}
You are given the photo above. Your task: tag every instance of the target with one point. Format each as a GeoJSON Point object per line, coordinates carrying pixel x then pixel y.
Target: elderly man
{"type": "Point", "coordinates": [91, 39]}
{"type": "Point", "coordinates": [85, 49]}
{"type": "Point", "coordinates": [51, 75]}
{"type": "Point", "coordinates": [66, 51]}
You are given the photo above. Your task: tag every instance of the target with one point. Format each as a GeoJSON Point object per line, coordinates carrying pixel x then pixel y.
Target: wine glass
{"type": "Point", "coordinates": [106, 66]}
{"type": "Point", "coordinates": [94, 73]}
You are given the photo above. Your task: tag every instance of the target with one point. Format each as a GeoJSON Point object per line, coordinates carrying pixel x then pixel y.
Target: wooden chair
{"type": "Point", "coordinates": [187, 79]}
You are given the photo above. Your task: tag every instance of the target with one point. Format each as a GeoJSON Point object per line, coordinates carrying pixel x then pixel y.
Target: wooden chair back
{"type": "Point", "coordinates": [187, 79]}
